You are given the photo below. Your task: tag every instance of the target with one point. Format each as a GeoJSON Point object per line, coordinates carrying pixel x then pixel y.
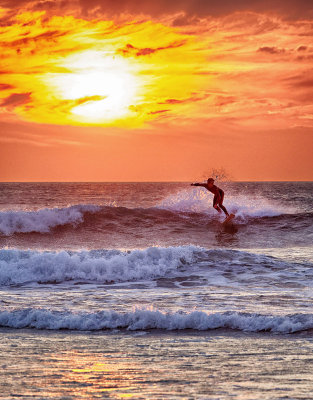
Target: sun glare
{"type": "Point", "coordinates": [99, 87]}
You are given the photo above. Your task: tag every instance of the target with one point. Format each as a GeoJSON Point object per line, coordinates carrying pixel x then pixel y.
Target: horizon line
{"type": "Point", "coordinates": [187, 181]}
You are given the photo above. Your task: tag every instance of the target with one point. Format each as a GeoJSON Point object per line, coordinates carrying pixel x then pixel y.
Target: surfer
{"type": "Point", "coordinates": [218, 195]}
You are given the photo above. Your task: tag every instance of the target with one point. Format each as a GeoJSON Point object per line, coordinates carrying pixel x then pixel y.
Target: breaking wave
{"type": "Point", "coordinates": [142, 319]}
{"type": "Point", "coordinates": [20, 267]}
{"type": "Point", "coordinates": [186, 208]}
{"type": "Point", "coordinates": [42, 220]}
{"type": "Point", "coordinates": [243, 206]}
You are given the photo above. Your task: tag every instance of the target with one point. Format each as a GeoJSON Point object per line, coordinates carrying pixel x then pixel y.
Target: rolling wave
{"type": "Point", "coordinates": [142, 319]}
{"type": "Point", "coordinates": [20, 267]}
{"type": "Point", "coordinates": [216, 266]}
{"type": "Point", "coordinates": [42, 220]}
{"type": "Point", "coordinates": [108, 217]}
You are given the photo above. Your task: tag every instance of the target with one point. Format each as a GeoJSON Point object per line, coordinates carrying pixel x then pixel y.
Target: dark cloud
{"type": "Point", "coordinates": [67, 105]}
{"type": "Point", "coordinates": [305, 58]}
{"type": "Point", "coordinates": [11, 3]}
{"type": "Point", "coordinates": [225, 100]}
{"type": "Point", "coordinates": [46, 36]}
{"type": "Point", "coordinates": [46, 5]}
{"type": "Point", "coordinates": [132, 50]}
{"type": "Point", "coordinates": [5, 86]}
{"type": "Point", "coordinates": [6, 72]}
{"type": "Point", "coordinates": [293, 9]}
{"type": "Point", "coordinates": [301, 86]}
{"type": "Point", "coordinates": [15, 100]}
{"type": "Point", "coordinates": [86, 99]}
{"type": "Point", "coordinates": [191, 99]}
{"type": "Point", "coordinates": [271, 50]}
{"type": "Point", "coordinates": [158, 112]}
{"type": "Point", "coordinates": [299, 81]}
{"type": "Point", "coordinates": [173, 101]}
{"type": "Point", "coordinates": [39, 5]}
{"type": "Point", "coordinates": [186, 20]}
{"type": "Point", "coordinates": [290, 9]}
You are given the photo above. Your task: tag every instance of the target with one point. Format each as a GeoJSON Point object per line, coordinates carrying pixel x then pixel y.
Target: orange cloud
{"type": "Point", "coordinates": [217, 68]}
{"type": "Point", "coordinates": [62, 61]}
{"type": "Point", "coordinates": [194, 75]}
{"type": "Point", "coordinates": [15, 100]}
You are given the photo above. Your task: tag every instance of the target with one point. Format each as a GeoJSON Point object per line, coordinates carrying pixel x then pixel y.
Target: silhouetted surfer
{"type": "Point", "coordinates": [218, 194]}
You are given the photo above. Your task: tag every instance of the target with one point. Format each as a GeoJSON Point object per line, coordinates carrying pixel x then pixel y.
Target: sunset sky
{"type": "Point", "coordinates": [123, 90]}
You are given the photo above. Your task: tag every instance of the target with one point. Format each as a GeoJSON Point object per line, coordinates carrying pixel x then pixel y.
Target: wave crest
{"type": "Point", "coordinates": [21, 267]}
{"type": "Point", "coordinates": [42, 220]}
{"type": "Point", "coordinates": [179, 209]}
{"type": "Point", "coordinates": [153, 319]}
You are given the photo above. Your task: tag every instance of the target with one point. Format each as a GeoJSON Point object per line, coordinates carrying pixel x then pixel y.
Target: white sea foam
{"type": "Point", "coordinates": [19, 267]}
{"type": "Point", "coordinates": [142, 319]}
{"type": "Point", "coordinates": [254, 206]}
{"type": "Point", "coordinates": [42, 220]}
{"type": "Point", "coordinates": [200, 200]}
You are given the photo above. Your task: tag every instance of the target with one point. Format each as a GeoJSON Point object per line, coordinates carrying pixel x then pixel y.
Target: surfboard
{"type": "Point", "coordinates": [228, 219]}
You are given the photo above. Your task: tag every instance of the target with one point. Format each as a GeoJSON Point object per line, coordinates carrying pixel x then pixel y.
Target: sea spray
{"type": "Point", "coordinates": [244, 206]}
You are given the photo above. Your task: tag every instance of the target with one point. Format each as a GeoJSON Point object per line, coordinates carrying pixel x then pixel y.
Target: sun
{"type": "Point", "coordinates": [99, 87]}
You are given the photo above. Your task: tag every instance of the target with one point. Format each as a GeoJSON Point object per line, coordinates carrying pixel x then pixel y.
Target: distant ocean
{"type": "Point", "coordinates": [137, 290]}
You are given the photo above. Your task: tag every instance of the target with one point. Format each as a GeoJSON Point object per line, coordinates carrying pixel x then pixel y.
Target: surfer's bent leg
{"type": "Point", "coordinates": [224, 209]}
{"type": "Point", "coordinates": [221, 202]}
{"type": "Point", "coordinates": [215, 203]}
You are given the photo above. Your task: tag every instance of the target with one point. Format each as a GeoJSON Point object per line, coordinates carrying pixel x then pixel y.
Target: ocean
{"type": "Point", "coordinates": [137, 290]}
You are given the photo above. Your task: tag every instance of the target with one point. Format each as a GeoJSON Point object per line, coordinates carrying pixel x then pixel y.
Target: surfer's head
{"type": "Point", "coordinates": [210, 181]}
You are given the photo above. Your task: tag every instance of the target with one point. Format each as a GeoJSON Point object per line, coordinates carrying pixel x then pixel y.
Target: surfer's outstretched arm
{"type": "Point", "coordinates": [199, 184]}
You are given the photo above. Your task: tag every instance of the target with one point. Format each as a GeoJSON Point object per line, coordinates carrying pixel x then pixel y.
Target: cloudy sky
{"type": "Point", "coordinates": [122, 90]}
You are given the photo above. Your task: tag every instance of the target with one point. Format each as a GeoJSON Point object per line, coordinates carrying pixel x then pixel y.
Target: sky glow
{"type": "Point", "coordinates": [173, 80]}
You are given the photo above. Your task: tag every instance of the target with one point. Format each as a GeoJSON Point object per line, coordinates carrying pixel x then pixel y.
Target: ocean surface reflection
{"type": "Point", "coordinates": [219, 365]}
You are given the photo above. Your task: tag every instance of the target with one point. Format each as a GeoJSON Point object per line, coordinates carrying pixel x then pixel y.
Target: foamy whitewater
{"type": "Point", "coordinates": [156, 256]}
{"type": "Point", "coordinates": [42, 220]}
{"type": "Point", "coordinates": [137, 290]}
